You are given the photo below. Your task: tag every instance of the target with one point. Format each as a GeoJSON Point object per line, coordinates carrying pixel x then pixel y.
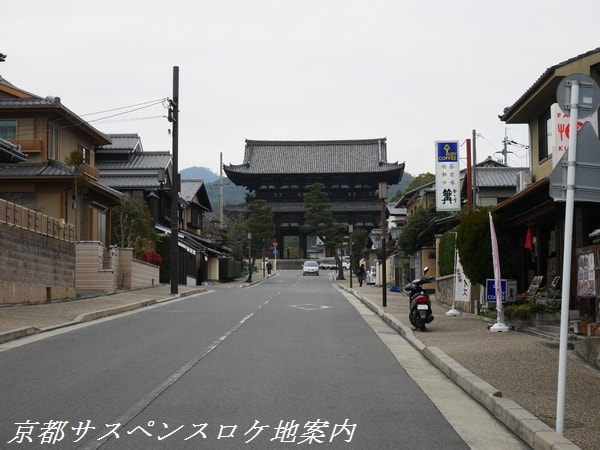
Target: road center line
{"type": "Point", "coordinates": [145, 401]}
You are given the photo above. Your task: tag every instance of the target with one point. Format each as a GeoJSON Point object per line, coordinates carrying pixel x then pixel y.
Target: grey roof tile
{"type": "Point", "coordinates": [548, 73]}
{"type": "Point", "coordinates": [189, 188]}
{"type": "Point", "coordinates": [320, 157]}
{"type": "Point", "coordinates": [122, 141]}
{"type": "Point", "coordinates": [51, 168]}
{"type": "Point", "coordinates": [126, 181]}
{"type": "Point", "coordinates": [137, 161]}
{"type": "Point", "coordinates": [497, 176]}
{"type": "Point", "coordinates": [10, 152]}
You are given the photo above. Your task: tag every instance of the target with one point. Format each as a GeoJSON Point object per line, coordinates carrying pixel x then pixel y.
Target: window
{"type": "Point", "coordinates": [8, 129]}
{"type": "Point", "coordinates": [543, 135]}
{"type": "Point", "coordinates": [86, 153]}
{"type": "Point", "coordinates": [102, 227]}
{"type": "Point", "coordinates": [53, 140]}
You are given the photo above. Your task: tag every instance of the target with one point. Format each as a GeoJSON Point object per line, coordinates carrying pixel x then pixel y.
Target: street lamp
{"type": "Point", "coordinates": [383, 198]}
{"type": "Point", "coordinates": [350, 229]}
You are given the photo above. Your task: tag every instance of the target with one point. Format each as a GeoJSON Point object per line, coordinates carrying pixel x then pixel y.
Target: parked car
{"type": "Point", "coordinates": [345, 264]}
{"type": "Point", "coordinates": [328, 265]}
{"type": "Point", "coordinates": [372, 275]}
{"type": "Point", "coordinates": [310, 268]}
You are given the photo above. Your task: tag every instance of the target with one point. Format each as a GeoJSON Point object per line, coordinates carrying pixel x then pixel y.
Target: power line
{"type": "Point", "coordinates": [135, 107]}
{"type": "Point", "coordinates": [124, 112]}
{"type": "Point", "coordinates": [148, 103]}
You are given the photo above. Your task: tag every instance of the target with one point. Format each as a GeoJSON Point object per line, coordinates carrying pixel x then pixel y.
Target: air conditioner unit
{"type": "Point", "coordinates": [523, 180]}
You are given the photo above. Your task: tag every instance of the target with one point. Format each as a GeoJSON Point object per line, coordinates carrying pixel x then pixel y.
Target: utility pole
{"type": "Point", "coordinates": [474, 163]}
{"type": "Point", "coordinates": [383, 198]}
{"type": "Point", "coordinates": [469, 178]}
{"type": "Point", "coordinates": [221, 224]}
{"type": "Point", "coordinates": [505, 151]}
{"type": "Point", "coordinates": [174, 118]}
{"type": "Point", "coordinates": [505, 143]}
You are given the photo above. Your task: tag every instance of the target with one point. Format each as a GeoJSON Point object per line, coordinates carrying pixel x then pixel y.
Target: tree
{"type": "Point", "coordinates": [132, 226]}
{"type": "Point", "coordinates": [319, 221]}
{"type": "Point", "coordinates": [261, 226]}
{"type": "Point", "coordinates": [475, 249]}
{"type": "Point", "coordinates": [410, 240]}
{"type": "Point", "coordinates": [416, 182]}
{"type": "Point", "coordinates": [360, 237]}
{"type": "Point", "coordinates": [420, 180]}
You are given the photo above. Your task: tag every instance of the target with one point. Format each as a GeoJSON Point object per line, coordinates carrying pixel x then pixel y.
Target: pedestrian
{"type": "Point", "coordinates": [269, 267]}
{"type": "Point", "coordinates": [360, 274]}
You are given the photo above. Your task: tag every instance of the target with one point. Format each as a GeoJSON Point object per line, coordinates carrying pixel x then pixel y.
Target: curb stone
{"type": "Point", "coordinates": [521, 422]}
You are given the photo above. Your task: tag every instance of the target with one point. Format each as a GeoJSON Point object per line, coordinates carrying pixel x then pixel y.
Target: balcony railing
{"type": "Point", "coordinates": [90, 171]}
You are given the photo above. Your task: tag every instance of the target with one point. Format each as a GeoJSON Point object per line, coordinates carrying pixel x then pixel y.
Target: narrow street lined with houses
{"type": "Point", "coordinates": [248, 363]}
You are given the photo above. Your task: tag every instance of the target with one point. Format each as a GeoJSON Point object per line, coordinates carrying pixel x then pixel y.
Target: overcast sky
{"type": "Point", "coordinates": [412, 71]}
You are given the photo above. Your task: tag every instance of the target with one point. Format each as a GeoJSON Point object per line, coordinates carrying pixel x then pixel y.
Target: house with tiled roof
{"type": "Point", "coordinates": [125, 166]}
{"type": "Point", "coordinates": [49, 134]}
{"type": "Point", "coordinates": [535, 217]}
{"type": "Point", "coordinates": [494, 183]}
{"type": "Point", "coordinates": [47, 168]}
{"type": "Point", "coordinates": [280, 172]}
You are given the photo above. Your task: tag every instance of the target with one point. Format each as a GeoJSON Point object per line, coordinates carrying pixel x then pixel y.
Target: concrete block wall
{"type": "Point", "coordinates": [91, 273]}
{"type": "Point", "coordinates": [35, 267]}
{"type": "Point", "coordinates": [113, 270]}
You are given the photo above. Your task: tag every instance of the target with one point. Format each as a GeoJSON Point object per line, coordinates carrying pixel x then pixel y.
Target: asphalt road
{"type": "Point", "coordinates": [290, 361]}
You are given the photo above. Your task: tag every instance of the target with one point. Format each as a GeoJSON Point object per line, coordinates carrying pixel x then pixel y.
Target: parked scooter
{"type": "Point", "coordinates": [420, 305]}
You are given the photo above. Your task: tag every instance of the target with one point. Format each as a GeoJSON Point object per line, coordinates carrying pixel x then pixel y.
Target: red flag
{"type": "Point", "coordinates": [529, 239]}
{"type": "Point", "coordinates": [496, 262]}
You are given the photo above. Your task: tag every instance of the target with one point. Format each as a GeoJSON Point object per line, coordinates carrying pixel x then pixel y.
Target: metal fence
{"type": "Point", "coordinates": [18, 216]}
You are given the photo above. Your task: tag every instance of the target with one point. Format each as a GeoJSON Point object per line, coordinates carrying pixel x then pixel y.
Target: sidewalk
{"type": "Point", "coordinates": [513, 374]}
{"type": "Point", "coordinates": [25, 320]}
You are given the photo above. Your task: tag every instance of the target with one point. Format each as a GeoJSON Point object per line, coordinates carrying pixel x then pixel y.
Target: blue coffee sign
{"type": "Point", "coordinates": [490, 290]}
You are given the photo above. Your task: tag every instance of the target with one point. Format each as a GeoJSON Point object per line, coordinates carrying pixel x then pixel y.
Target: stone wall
{"type": "Point", "coordinates": [444, 293]}
{"type": "Point", "coordinates": [35, 267]}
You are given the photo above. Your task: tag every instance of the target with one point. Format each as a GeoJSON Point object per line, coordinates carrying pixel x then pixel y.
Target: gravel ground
{"type": "Point", "coordinates": [523, 366]}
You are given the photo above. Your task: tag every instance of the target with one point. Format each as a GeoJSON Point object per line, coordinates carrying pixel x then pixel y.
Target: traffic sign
{"type": "Point", "coordinates": [589, 98]}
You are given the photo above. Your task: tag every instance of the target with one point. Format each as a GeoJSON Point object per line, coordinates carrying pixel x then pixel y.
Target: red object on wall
{"type": "Point", "coordinates": [529, 239]}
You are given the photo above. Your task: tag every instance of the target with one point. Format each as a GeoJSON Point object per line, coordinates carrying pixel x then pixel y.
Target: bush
{"type": "Point", "coordinates": [524, 311]}
{"type": "Point", "coordinates": [152, 257]}
{"type": "Point", "coordinates": [446, 253]}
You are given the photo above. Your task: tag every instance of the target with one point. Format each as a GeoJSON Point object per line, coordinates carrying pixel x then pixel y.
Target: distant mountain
{"type": "Point", "coordinates": [404, 182]}
{"type": "Point", "coordinates": [199, 173]}
{"type": "Point", "coordinates": [232, 194]}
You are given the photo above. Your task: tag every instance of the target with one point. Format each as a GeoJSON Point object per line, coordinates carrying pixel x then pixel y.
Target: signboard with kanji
{"type": "Point", "coordinates": [447, 176]}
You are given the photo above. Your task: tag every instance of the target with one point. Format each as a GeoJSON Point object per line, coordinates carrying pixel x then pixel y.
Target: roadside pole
{"type": "Point", "coordinates": [575, 92]}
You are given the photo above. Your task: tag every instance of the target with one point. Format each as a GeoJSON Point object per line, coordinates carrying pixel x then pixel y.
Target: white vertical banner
{"type": "Point", "coordinates": [462, 285]}
{"type": "Point", "coordinates": [496, 263]}
{"type": "Point", "coordinates": [447, 176]}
